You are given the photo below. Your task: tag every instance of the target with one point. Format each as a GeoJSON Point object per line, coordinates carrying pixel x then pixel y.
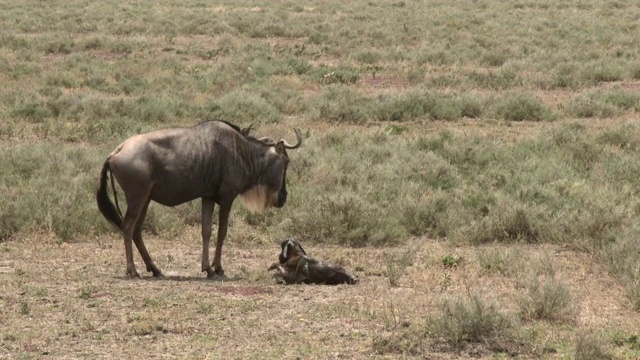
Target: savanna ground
{"type": "Point", "coordinates": [474, 163]}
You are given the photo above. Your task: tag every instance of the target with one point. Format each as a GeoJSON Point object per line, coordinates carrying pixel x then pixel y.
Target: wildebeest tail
{"type": "Point", "coordinates": [110, 211]}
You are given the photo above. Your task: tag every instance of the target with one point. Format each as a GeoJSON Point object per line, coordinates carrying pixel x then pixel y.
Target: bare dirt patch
{"type": "Point", "coordinates": [245, 290]}
{"type": "Point", "coordinates": [71, 300]}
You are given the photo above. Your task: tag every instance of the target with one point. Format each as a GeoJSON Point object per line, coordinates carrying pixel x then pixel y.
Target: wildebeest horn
{"type": "Point", "coordinates": [298, 139]}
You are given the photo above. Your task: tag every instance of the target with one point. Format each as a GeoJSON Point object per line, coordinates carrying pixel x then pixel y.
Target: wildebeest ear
{"type": "Point", "coordinates": [246, 130]}
{"type": "Point", "coordinates": [280, 148]}
{"type": "Point", "coordinates": [302, 249]}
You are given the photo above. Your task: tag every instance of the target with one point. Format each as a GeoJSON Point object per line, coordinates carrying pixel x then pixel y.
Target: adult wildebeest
{"type": "Point", "coordinates": [214, 160]}
{"type": "Point", "coordinates": [294, 266]}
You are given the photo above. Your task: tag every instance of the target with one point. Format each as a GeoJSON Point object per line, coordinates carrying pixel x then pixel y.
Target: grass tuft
{"type": "Point", "coordinates": [470, 321]}
{"type": "Point", "coordinates": [398, 262]}
{"type": "Point", "coordinates": [522, 107]}
{"type": "Point", "coordinates": [601, 103]}
{"type": "Point", "coordinates": [499, 261]}
{"type": "Point", "coordinates": [589, 346]}
{"type": "Point", "coordinates": [548, 299]}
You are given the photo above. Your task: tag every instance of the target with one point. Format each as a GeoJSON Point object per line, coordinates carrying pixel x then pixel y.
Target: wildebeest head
{"type": "Point", "coordinates": [270, 189]}
{"type": "Point", "coordinates": [291, 248]}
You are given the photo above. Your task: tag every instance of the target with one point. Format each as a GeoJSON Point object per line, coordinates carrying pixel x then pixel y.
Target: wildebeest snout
{"type": "Point", "coordinates": [282, 199]}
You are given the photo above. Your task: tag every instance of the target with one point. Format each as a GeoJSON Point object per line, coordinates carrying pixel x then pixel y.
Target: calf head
{"type": "Point", "coordinates": [290, 249]}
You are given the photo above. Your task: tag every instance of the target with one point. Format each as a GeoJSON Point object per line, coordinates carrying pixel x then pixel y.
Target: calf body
{"type": "Point", "coordinates": [214, 161]}
{"type": "Point", "coordinates": [294, 266]}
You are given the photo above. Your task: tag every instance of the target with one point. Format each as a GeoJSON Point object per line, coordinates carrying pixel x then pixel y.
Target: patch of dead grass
{"type": "Point", "coordinates": [186, 315]}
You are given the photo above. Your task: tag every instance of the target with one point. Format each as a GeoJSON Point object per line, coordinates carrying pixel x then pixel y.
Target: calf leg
{"type": "Point", "coordinates": [137, 239]}
{"type": "Point", "coordinates": [208, 206]}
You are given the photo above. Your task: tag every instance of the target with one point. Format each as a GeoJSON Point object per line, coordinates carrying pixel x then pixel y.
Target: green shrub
{"type": "Point", "coordinates": [12, 41]}
{"type": "Point", "coordinates": [606, 71]}
{"type": "Point", "coordinates": [549, 299]}
{"type": "Point", "coordinates": [604, 103]}
{"type": "Point", "coordinates": [285, 99]}
{"type": "Point", "coordinates": [522, 107]}
{"type": "Point", "coordinates": [508, 223]}
{"type": "Point", "coordinates": [346, 219]}
{"type": "Point", "coordinates": [418, 105]}
{"type": "Point", "coordinates": [429, 216]}
{"type": "Point", "coordinates": [34, 176]}
{"type": "Point", "coordinates": [468, 321]}
{"type": "Point", "coordinates": [494, 80]}
{"type": "Point", "coordinates": [501, 261]}
{"type": "Point", "coordinates": [622, 257]}
{"type": "Point", "coordinates": [341, 104]}
{"type": "Point", "coordinates": [398, 262]}
{"type": "Point", "coordinates": [59, 46]}
{"type": "Point", "coordinates": [495, 58]}
{"type": "Point", "coordinates": [34, 111]}
{"type": "Point", "coordinates": [411, 106]}
{"type": "Point", "coordinates": [451, 260]}
{"type": "Point", "coordinates": [589, 346]}
{"type": "Point", "coordinates": [334, 75]}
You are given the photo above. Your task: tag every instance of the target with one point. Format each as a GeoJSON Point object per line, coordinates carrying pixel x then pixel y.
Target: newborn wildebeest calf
{"type": "Point", "coordinates": [295, 267]}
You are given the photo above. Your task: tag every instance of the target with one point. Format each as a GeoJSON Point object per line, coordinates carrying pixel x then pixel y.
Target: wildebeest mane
{"type": "Point", "coordinates": [233, 126]}
{"type": "Point", "coordinates": [244, 132]}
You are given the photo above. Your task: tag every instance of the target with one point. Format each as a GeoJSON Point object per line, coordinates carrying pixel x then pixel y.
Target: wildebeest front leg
{"type": "Point", "coordinates": [137, 239]}
{"type": "Point", "coordinates": [223, 222]}
{"type": "Point", "coordinates": [208, 206]}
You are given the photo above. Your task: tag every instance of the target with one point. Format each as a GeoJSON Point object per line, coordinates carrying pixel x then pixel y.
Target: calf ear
{"type": "Point", "coordinates": [285, 249]}
{"type": "Point", "coordinates": [302, 249]}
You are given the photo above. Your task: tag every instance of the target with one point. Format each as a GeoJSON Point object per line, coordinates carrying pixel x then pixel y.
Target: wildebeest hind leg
{"type": "Point", "coordinates": [135, 207]}
{"type": "Point", "coordinates": [137, 239]}
{"type": "Point", "coordinates": [127, 233]}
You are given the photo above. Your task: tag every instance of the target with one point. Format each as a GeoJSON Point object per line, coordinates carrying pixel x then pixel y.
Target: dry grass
{"type": "Point", "coordinates": [70, 300]}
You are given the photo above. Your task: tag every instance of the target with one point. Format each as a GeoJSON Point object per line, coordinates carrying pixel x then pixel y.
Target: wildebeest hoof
{"type": "Point", "coordinates": [133, 274]}
{"type": "Point", "coordinates": [158, 274]}
{"type": "Point", "coordinates": [215, 274]}
{"type": "Point", "coordinates": [217, 277]}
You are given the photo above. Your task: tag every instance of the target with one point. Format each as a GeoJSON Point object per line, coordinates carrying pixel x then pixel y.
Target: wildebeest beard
{"type": "Point", "coordinates": [294, 266]}
{"type": "Point", "coordinates": [259, 198]}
